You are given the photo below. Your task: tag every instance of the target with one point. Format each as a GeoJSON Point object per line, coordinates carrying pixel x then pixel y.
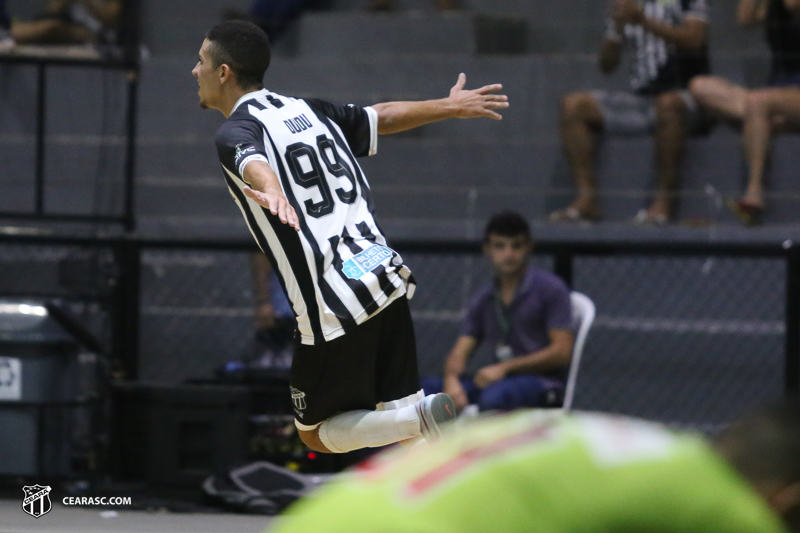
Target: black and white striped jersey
{"type": "Point", "coordinates": [659, 66]}
{"type": "Point", "coordinates": [338, 270]}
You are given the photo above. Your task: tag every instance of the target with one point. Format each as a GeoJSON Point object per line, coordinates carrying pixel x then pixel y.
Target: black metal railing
{"type": "Point", "coordinates": [124, 60]}
{"type": "Point", "coordinates": [677, 322]}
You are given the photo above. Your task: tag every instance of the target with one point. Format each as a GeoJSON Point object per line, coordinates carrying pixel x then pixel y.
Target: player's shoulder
{"type": "Point", "coordinates": [331, 108]}
{"type": "Point", "coordinates": [240, 121]}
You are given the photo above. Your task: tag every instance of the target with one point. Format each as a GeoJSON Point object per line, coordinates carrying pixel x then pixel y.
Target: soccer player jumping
{"type": "Point", "coordinates": [290, 164]}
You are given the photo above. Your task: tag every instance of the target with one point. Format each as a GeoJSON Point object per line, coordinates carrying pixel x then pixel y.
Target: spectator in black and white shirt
{"type": "Point", "coordinates": [669, 41]}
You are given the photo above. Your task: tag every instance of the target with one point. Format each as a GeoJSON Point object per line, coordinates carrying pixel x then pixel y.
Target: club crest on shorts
{"type": "Point", "coordinates": [298, 399]}
{"type": "Point", "coordinates": [37, 500]}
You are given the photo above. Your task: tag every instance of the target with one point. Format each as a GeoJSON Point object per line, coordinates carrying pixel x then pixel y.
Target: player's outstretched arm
{"type": "Point", "coordinates": [267, 193]}
{"type": "Point", "coordinates": [394, 117]}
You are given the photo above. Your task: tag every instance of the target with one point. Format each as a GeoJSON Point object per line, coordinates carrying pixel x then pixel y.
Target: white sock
{"type": "Point", "coordinates": [411, 443]}
{"type": "Point", "coordinates": [402, 402]}
{"type": "Point", "coordinates": [354, 430]}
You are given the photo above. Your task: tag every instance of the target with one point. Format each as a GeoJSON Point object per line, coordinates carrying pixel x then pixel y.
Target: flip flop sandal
{"type": "Point", "coordinates": [643, 218]}
{"type": "Point", "coordinates": [570, 214]}
{"type": "Point", "coordinates": [749, 214]}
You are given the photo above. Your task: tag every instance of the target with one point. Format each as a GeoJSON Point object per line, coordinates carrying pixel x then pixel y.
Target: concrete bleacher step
{"type": "Point", "coordinates": [331, 33]}
{"type": "Point", "coordinates": [418, 178]}
{"type": "Point", "coordinates": [534, 84]}
{"type": "Point", "coordinates": [167, 30]}
{"type": "Point", "coordinates": [423, 183]}
{"type": "Point", "coordinates": [380, 79]}
{"type": "Point", "coordinates": [521, 153]}
{"type": "Point", "coordinates": [564, 26]}
{"type": "Point", "coordinates": [463, 32]}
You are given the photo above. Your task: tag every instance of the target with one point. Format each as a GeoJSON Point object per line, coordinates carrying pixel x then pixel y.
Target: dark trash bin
{"type": "Point", "coordinates": [38, 383]}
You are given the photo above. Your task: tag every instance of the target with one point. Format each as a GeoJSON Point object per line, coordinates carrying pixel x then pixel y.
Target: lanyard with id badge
{"type": "Point", "coordinates": [503, 350]}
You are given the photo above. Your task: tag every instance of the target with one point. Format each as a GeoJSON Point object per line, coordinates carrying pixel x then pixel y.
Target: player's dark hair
{"type": "Point", "coordinates": [764, 446]}
{"type": "Point", "coordinates": [244, 47]}
{"type": "Point", "coordinates": [507, 224]}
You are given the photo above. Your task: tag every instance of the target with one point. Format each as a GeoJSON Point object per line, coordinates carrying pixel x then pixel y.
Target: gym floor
{"type": "Point", "coordinates": [62, 519]}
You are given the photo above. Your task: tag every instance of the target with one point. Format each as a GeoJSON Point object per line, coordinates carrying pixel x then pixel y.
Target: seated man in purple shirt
{"type": "Point", "coordinates": [525, 317]}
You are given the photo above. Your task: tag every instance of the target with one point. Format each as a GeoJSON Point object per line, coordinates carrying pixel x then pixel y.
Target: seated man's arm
{"type": "Point", "coordinates": [611, 49]}
{"type": "Point", "coordinates": [454, 367]}
{"type": "Point", "coordinates": [107, 11]}
{"type": "Point", "coordinates": [752, 12]}
{"type": "Point", "coordinates": [394, 117]}
{"type": "Point", "coordinates": [792, 5]}
{"type": "Point", "coordinates": [557, 354]}
{"type": "Point", "coordinates": [690, 35]}
{"type": "Point", "coordinates": [610, 56]}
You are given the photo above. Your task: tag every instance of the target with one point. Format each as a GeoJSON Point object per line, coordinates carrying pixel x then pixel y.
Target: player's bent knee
{"type": "Point", "coordinates": [670, 104]}
{"type": "Point", "coordinates": [312, 440]}
{"type": "Point", "coordinates": [757, 102]}
{"type": "Point", "coordinates": [578, 106]}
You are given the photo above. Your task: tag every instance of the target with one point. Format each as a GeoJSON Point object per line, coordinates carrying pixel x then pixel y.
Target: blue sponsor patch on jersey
{"type": "Point", "coordinates": [366, 261]}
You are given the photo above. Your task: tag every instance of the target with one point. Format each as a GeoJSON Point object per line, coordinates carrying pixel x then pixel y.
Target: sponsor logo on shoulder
{"type": "Point", "coordinates": [366, 261]}
{"type": "Point", "coordinates": [241, 152]}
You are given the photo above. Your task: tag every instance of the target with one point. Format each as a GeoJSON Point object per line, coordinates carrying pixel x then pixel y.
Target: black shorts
{"type": "Point", "coordinates": [376, 362]}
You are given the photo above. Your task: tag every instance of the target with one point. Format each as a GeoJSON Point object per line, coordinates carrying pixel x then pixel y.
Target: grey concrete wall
{"type": "Point", "coordinates": [440, 181]}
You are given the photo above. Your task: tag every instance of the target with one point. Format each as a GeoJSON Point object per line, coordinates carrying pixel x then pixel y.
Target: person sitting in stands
{"type": "Point", "coordinates": [525, 316]}
{"type": "Point", "coordinates": [275, 17]}
{"type": "Point", "coordinates": [760, 112]}
{"type": "Point", "coordinates": [668, 40]}
{"type": "Point", "coordinates": [71, 22]}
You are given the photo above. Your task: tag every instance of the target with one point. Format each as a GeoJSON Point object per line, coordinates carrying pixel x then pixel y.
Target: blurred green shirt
{"type": "Point", "coordinates": [541, 472]}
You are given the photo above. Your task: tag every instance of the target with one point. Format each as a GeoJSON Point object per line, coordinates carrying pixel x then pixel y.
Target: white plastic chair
{"type": "Point", "coordinates": [583, 312]}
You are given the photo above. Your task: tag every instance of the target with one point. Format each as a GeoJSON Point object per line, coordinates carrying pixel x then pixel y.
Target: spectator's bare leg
{"type": "Point", "coordinates": [719, 97]}
{"type": "Point", "coordinates": [50, 31]}
{"type": "Point", "coordinates": [108, 12]}
{"type": "Point", "coordinates": [670, 140]}
{"type": "Point", "coordinates": [581, 119]}
{"type": "Point", "coordinates": [58, 6]}
{"type": "Point", "coordinates": [766, 111]}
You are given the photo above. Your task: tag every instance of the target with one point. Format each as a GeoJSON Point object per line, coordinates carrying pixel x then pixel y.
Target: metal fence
{"type": "Point", "coordinates": [686, 334]}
